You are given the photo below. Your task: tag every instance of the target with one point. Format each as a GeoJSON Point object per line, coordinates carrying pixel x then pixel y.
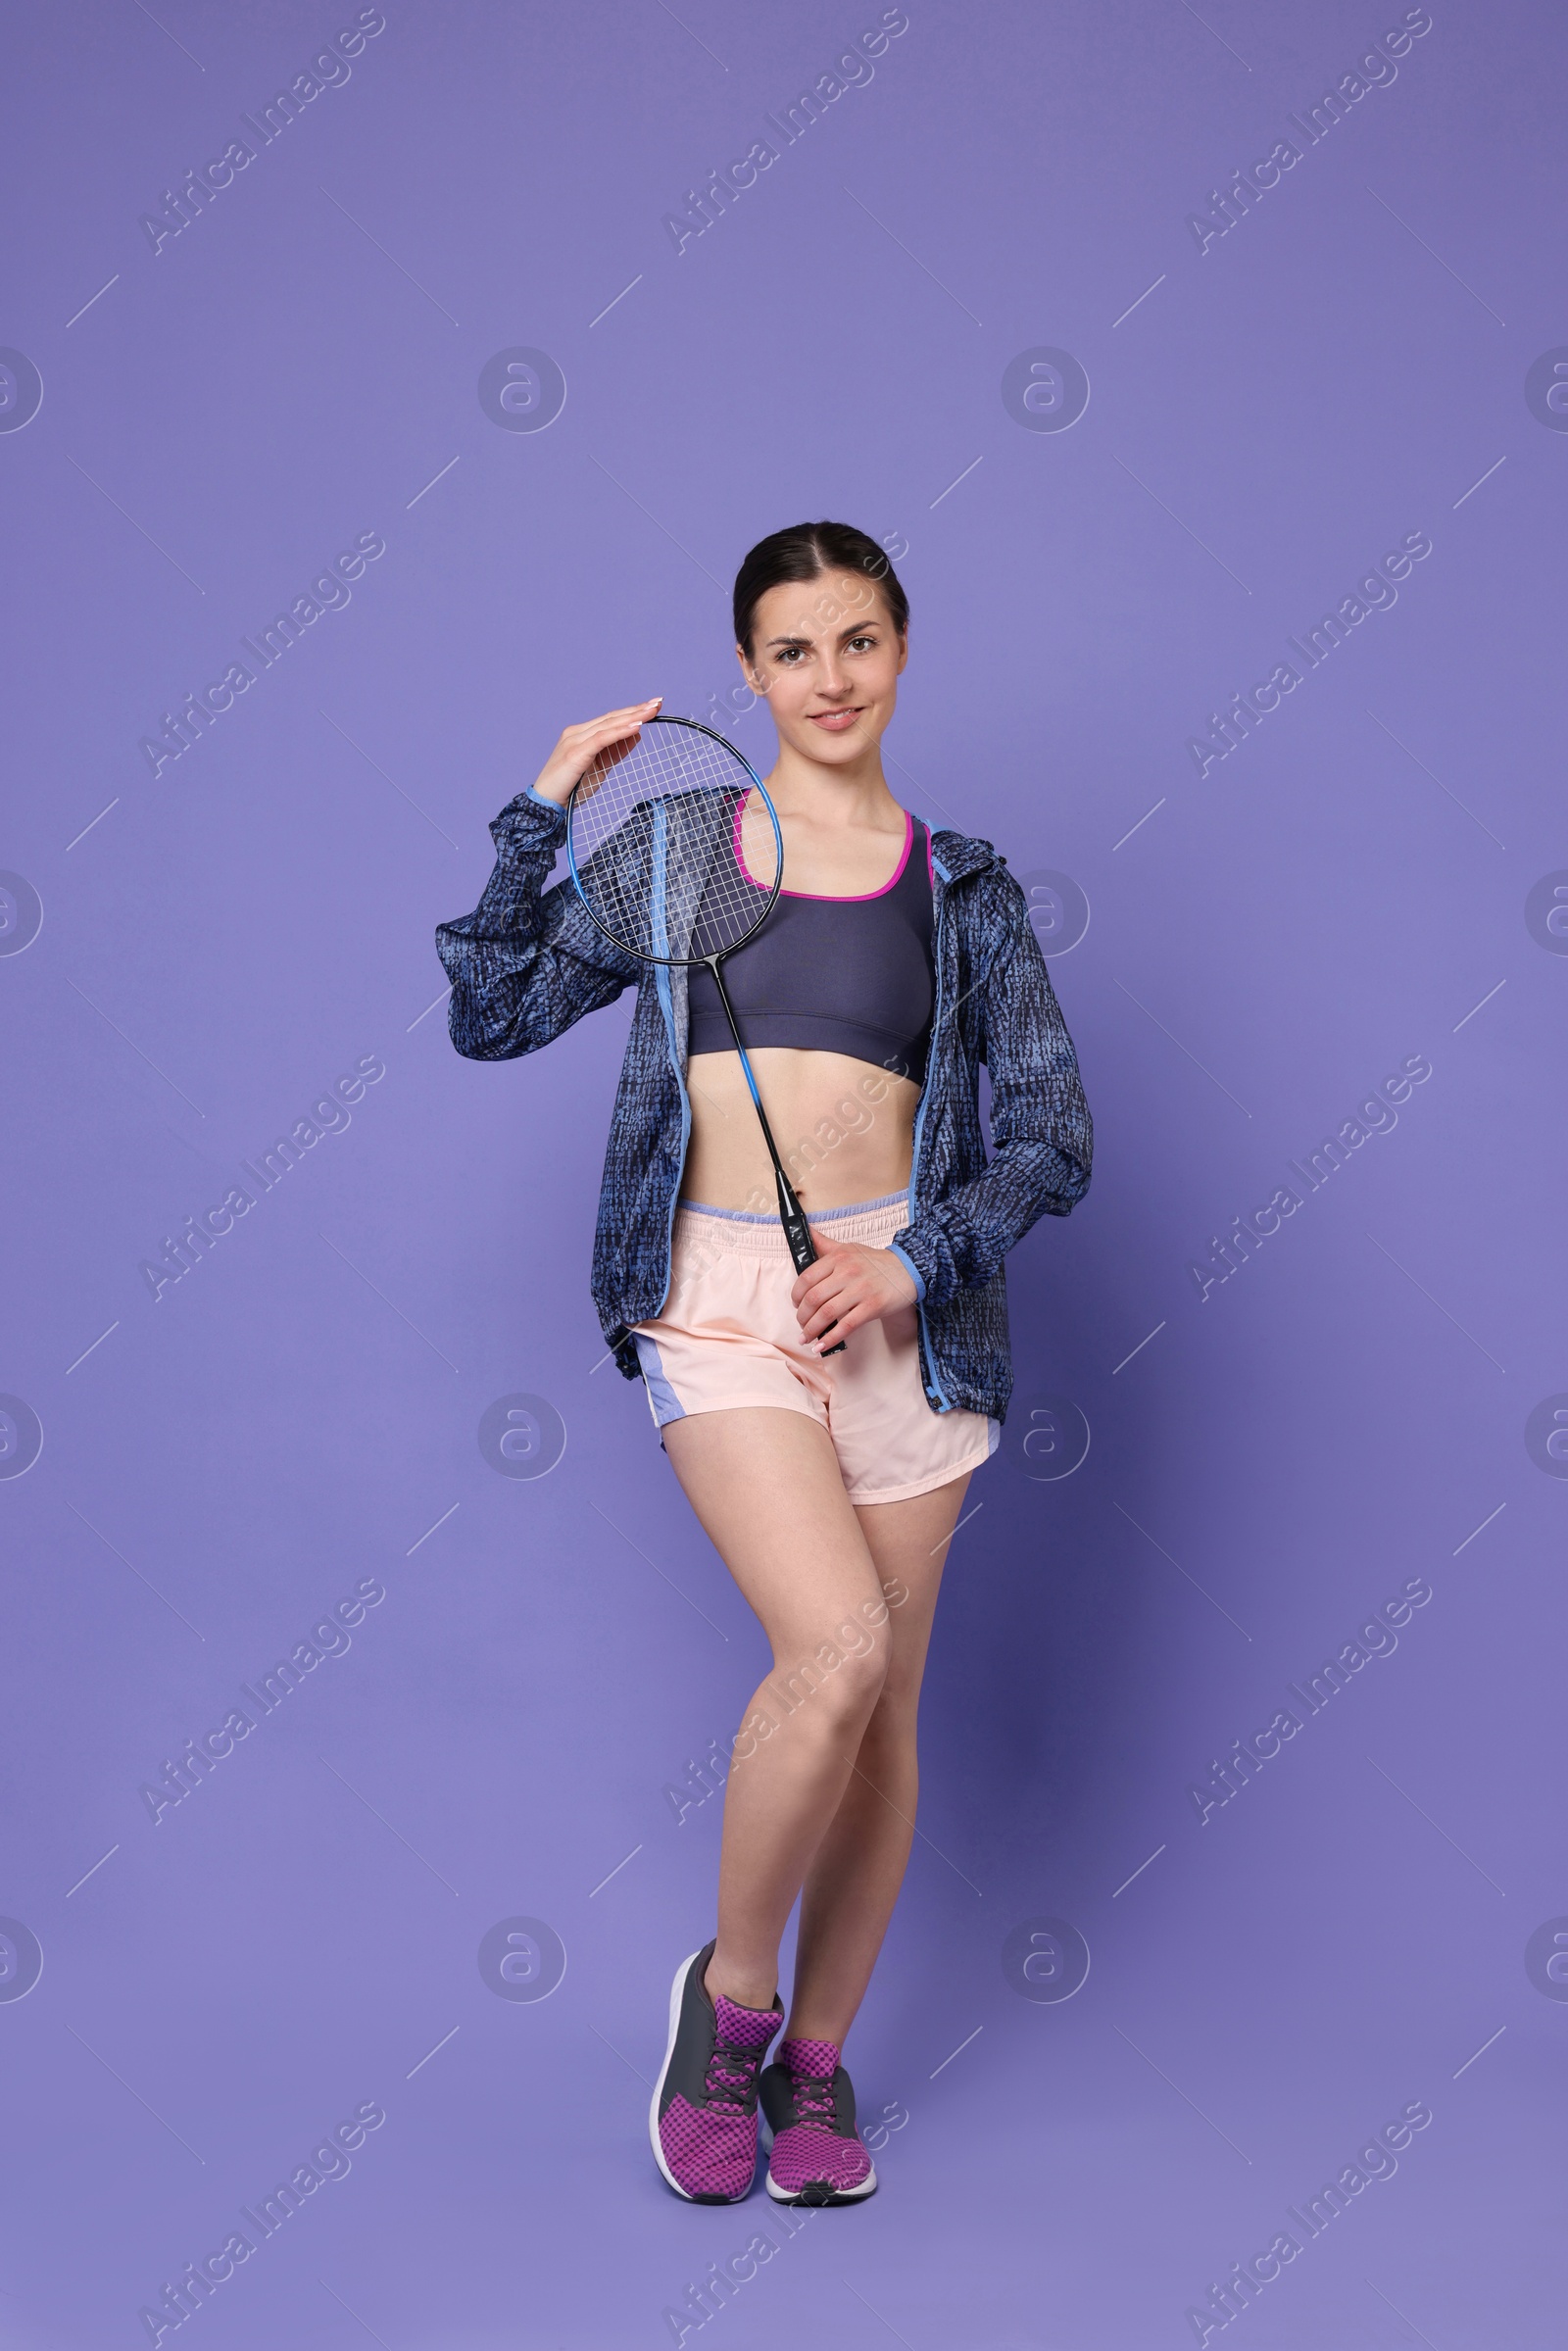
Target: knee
{"type": "Point", "coordinates": [891, 1729]}
{"type": "Point", "coordinates": [841, 1697]}
{"type": "Point", "coordinates": [862, 1679]}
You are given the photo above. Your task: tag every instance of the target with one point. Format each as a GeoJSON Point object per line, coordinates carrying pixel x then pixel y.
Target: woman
{"type": "Point", "coordinates": [891, 964]}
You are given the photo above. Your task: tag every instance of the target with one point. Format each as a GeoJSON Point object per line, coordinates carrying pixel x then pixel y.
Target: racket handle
{"type": "Point", "coordinates": [802, 1248]}
{"type": "Point", "coordinates": [797, 1233]}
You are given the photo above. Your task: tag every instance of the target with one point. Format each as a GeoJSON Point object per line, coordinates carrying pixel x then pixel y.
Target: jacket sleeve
{"type": "Point", "coordinates": [1040, 1130]}
{"type": "Point", "coordinates": [527, 961]}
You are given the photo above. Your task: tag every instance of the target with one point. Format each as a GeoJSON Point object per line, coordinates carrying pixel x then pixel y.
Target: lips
{"type": "Point", "coordinates": [834, 722]}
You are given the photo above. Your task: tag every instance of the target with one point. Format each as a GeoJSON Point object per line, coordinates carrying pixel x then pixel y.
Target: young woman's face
{"type": "Point", "coordinates": [827, 655]}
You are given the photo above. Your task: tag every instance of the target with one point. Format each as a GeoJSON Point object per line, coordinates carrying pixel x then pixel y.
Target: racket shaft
{"type": "Point", "coordinates": [791, 1216]}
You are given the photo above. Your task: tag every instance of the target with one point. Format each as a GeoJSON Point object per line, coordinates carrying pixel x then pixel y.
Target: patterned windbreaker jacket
{"type": "Point", "coordinates": [528, 961]}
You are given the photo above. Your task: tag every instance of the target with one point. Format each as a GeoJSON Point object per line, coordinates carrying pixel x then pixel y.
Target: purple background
{"type": "Point", "coordinates": [1345, 890]}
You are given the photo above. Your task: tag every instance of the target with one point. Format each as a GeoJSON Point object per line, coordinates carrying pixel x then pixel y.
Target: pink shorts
{"type": "Point", "coordinates": [728, 1336]}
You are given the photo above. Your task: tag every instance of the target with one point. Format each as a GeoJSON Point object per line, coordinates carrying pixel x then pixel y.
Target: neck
{"type": "Point", "coordinates": [855, 793]}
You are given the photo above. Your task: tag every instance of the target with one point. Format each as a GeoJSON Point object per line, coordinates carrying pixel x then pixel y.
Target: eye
{"type": "Point", "coordinates": [869, 641]}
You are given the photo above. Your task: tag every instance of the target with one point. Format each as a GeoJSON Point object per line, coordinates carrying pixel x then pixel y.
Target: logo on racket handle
{"type": "Point", "coordinates": [802, 1248]}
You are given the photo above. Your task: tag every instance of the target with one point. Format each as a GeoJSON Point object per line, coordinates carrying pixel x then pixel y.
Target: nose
{"type": "Point", "coordinates": [834, 682]}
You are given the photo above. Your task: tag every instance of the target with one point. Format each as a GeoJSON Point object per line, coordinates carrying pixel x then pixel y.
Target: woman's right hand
{"type": "Point", "coordinates": [580, 746]}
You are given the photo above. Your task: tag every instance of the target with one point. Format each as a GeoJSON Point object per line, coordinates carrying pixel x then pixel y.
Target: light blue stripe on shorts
{"type": "Point", "coordinates": [662, 1402]}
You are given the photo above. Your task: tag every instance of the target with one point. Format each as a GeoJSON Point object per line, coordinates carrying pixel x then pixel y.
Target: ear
{"type": "Point", "coordinates": [753, 676]}
{"type": "Point", "coordinates": [904, 650]}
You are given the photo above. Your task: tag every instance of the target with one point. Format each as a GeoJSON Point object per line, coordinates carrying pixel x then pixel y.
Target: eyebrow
{"type": "Point", "coordinates": [858, 630]}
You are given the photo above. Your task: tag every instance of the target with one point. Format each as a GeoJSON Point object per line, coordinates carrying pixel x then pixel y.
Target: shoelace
{"type": "Point", "coordinates": [729, 2083]}
{"type": "Point", "coordinates": [813, 2102]}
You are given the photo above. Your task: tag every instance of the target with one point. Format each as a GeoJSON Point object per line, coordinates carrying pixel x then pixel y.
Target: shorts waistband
{"type": "Point", "coordinates": [860, 1208]}
{"type": "Point", "coordinates": [762, 1235]}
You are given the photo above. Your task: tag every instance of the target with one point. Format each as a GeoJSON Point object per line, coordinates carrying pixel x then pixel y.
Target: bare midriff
{"type": "Point", "coordinates": [844, 1128]}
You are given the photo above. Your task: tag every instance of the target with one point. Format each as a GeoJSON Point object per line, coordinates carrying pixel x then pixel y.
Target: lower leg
{"type": "Point", "coordinates": [766, 1486]}
{"type": "Point", "coordinates": [856, 1874]}
{"type": "Point", "coordinates": [853, 1880]}
{"type": "Point", "coordinates": [784, 1793]}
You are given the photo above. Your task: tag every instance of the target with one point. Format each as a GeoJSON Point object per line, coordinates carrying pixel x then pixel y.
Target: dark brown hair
{"type": "Point", "coordinates": [804, 551]}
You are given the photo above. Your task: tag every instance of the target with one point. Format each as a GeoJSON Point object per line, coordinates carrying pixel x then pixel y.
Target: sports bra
{"type": "Point", "coordinates": [838, 975]}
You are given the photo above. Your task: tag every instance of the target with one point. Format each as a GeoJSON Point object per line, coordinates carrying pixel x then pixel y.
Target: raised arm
{"type": "Point", "coordinates": [528, 961]}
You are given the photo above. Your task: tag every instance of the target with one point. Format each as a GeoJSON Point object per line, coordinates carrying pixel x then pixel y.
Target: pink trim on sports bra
{"type": "Point", "coordinates": [837, 898]}
{"type": "Point", "coordinates": [735, 837]}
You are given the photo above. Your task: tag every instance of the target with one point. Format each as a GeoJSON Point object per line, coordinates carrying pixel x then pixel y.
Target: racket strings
{"type": "Point", "coordinates": [734, 898]}
{"type": "Point", "coordinates": [671, 857]}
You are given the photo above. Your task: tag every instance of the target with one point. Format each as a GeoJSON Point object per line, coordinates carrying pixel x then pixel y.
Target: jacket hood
{"type": "Point", "coordinates": [962, 853]}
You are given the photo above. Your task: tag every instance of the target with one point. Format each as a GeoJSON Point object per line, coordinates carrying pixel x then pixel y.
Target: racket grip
{"type": "Point", "coordinates": [802, 1250]}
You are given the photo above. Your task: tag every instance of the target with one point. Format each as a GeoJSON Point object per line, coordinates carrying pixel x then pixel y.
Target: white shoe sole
{"type": "Point", "coordinates": [785, 2196]}
{"type": "Point", "coordinates": [677, 1993]}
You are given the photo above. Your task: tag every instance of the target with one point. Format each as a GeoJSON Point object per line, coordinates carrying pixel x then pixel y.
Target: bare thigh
{"type": "Point", "coordinates": [908, 1543]}
{"type": "Point", "coordinates": [765, 1486]}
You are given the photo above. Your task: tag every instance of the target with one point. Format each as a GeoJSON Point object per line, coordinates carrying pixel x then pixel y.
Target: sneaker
{"type": "Point", "coordinates": [808, 2107]}
{"type": "Point", "coordinates": [702, 2121]}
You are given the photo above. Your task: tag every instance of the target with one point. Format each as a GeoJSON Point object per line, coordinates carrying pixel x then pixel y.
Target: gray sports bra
{"type": "Point", "coordinates": [838, 976]}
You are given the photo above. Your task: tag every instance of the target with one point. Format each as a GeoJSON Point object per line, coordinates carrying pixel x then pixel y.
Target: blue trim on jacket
{"type": "Point", "coordinates": [911, 1266]}
{"type": "Point", "coordinates": [528, 963]}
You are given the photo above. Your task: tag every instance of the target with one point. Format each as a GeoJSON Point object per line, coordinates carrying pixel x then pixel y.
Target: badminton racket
{"type": "Point", "coordinates": [676, 853]}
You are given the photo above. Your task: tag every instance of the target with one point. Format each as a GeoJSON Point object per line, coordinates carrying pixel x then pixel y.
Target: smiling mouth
{"type": "Point", "coordinates": [837, 719]}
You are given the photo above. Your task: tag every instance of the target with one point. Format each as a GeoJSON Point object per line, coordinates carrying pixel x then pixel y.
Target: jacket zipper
{"type": "Point", "coordinates": [667, 1012]}
{"type": "Point", "coordinates": [933, 1386]}
{"type": "Point", "coordinates": [667, 1015]}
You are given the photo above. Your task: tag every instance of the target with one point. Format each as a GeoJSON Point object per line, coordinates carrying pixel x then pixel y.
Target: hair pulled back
{"type": "Point", "coordinates": [804, 551]}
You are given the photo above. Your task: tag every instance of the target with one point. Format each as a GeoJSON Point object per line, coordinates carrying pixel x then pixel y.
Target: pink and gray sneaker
{"type": "Point", "coordinates": [702, 2121]}
{"type": "Point", "coordinates": [809, 2105]}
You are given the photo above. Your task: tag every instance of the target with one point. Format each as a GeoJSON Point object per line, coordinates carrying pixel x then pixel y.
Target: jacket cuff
{"type": "Point", "coordinates": [527, 822]}
{"type": "Point", "coordinates": [919, 1277]}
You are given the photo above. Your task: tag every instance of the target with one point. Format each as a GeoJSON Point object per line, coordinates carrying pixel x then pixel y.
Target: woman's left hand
{"type": "Point", "coordinates": [847, 1286]}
